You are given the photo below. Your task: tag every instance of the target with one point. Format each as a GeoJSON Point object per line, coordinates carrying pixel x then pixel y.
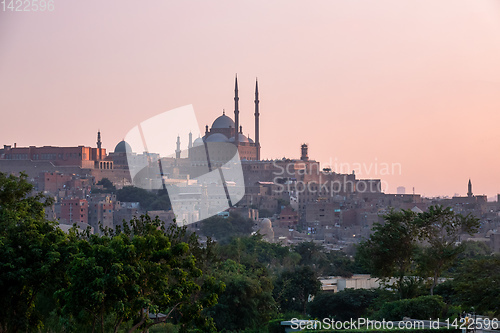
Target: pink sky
{"type": "Point", "coordinates": [409, 82]}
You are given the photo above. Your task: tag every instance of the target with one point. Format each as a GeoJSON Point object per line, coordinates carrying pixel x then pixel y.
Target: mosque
{"type": "Point", "coordinates": [221, 141]}
{"type": "Point", "coordinates": [225, 130]}
{"type": "Point", "coordinates": [214, 149]}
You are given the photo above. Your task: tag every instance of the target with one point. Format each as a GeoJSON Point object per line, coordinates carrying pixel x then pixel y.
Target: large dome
{"type": "Point", "coordinates": [241, 138]}
{"type": "Point", "coordinates": [123, 147]}
{"type": "Point", "coordinates": [198, 142]}
{"type": "Point", "coordinates": [217, 137]}
{"type": "Point", "coordinates": [223, 122]}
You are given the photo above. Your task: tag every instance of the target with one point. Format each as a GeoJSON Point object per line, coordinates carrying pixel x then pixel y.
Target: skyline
{"type": "Point", "coordinates": [359, 81]}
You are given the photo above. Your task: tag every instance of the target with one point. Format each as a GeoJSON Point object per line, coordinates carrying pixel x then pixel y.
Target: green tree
{"type": "Point", "coordinates": [224, 229]}
{"type": "Point", "coordinates": [255, 253]}
{"type": "Point", "coordinates": [246, 302]}
{"type": "Point", "coordinates": [311, 254]}
{"type": "Point", "coordinates": [343, 305]}
{"type": "Point", "coordinates": [107, 184]}
{"type": "Point", "coordinates": [423, 307]}
{"type": "Point", "coordinates": [473, 249]}
{"type": "Point", "coordinates": [128, 274]}
{"type": "Point", "coordinates": [148, 200]}
{"type": "Point", "coordinates": [30, 253]}
{"type": "Point", "coordinates": [476, 284]}
{"type": "Point", "coordinates": [441, 228]}
{"type": "Point", "coordinates": [294, 287]}
{"type": "Point", "coordinates": [390, 250]}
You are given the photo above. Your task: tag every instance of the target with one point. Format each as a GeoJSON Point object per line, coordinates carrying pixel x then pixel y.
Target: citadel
{"type": "Point", "coordinates": [292, 199]}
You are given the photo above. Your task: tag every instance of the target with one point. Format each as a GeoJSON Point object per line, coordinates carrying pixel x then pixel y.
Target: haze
{"type": "Point", "coordinates": [409, 82]}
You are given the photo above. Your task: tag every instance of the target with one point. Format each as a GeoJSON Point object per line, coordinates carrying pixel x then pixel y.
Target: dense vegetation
{"type": "Point", "coordinates": [148, 200]}
{"type": "Point", "coordinates": [145, 276]}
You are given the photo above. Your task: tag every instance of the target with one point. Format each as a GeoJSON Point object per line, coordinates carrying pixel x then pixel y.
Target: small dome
{"type": "Point", "coordinates": [241, 138]}
{"type": "Point", "coordinates": [266, 223]}
{"type": "Point", "coordinates": [123, 147]}
{"type": "Point", "coordinates": [250, 140]}
{"type": "Point", "coordinates": [198, 142]}
{"type": "Point", "coordinates": [223, 122]}
{"type": "Point", "coordinates": [217, 137]}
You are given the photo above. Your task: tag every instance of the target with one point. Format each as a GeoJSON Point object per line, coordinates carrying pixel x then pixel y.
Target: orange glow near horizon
{"type": "Point", "coordinates": [370, 82]}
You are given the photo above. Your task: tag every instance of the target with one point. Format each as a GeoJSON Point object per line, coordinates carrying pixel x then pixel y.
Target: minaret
{"type": "Point", "coordinates": [469, 193]}
{"type": "Point", "coordinates": [236, 113]}
{"type": "Point", "coordinates": [303, 153]}
{"type": "Point", "coordinates": [257, 142]}
{"type": "Point", "coordinates": [99, 145]}
{"type": "Point", "coordinates": [178, 150]}
{"type": "Point", "coordinates": [190, 145]}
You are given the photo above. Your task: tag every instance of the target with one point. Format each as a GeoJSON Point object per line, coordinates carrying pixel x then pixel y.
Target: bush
{"type": "Point", "coordinates": [274, 326]}
{"type": "Point", "coordinates": [344, 305]}
{"type": "Point", "coordinates": [423, 307]}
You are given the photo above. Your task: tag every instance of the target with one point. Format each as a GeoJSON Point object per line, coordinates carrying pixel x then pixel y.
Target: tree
{"type": "Point", "coordinates": [473, 249]}
{"type": "Point", "coordinates": [136, 271]}
{"type": "Point", "coordinates": [224, 229]}
{"type": "Point", "coordinates": [340, 264]}
{"type": "Point", "coordinates": [343, 305]}
{"type": "Point", "coordinates": [293, 288]}
{"type": "Point", "coordinates": [311, 254]}
{"type": "Point", "coordinates": [246, 302]}
{"type": "Point", "coordinates": [441, 228]}
{"type": "Point", "coordinates": [148, 200]}
{"type": "Point", "coordinates": [476, 284]}
{"type": "Point", "coordinates": [390, 250]}
{"type": "Point", "coordinates": [255, 253]}
{"type": "Point", "coordinates": [30, 253]}
{"type": "Point", "coordinates": [107, 184]}
{"type": "Point", "coordinates": [423, 307]}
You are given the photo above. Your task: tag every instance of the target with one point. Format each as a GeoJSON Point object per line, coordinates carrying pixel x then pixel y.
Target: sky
{"type": "Point", "coordinates": [413, 84]}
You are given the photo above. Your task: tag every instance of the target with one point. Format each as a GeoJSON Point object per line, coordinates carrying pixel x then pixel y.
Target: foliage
{"type": "Point", "coordinates": [343, 305]}
{"type": "Point", "coordinates": [223, 229]}
{"type": "Point", "coordinates": [393, 250]}
{"type": "Point", "coordinates": [247, 301]}
{"type": "Point", "coordinates": [30, 253]}
{"type": "Point", "coordinates": [148, 200]}
{"type": "Point", "coordinates": [441, 228]}
{"type": "Point", "coordinates": [254, 252]}
{"type": "Point", "coordinates": [389, 251]}
{"type": "Point", "coordinates": [106, 184]}
{"type": "Point", "coordinates": [132, 272]}
{"type": "Point", "coordinates": [274, 326]}
{"type": "Point", "coordinates": [294, 287]}
{"type": "Point", "coordinates": [473, 249]}
{"type": "Point", "coordinates": [423, 307]}
{"type": "Point", "coordinates": [477, 284]}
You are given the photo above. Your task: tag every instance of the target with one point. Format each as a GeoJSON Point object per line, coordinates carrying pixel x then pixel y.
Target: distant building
{"type": "Point", "coordinates": [74, 211]}
{"type": "Point", "coordinates": [288, 218]}
{"type": "Point", "coordinates": [401, 190]}
{"type": "Point", "coordinates": [101, 210]}
{"type": "Point", "coordinates": [83, 157]}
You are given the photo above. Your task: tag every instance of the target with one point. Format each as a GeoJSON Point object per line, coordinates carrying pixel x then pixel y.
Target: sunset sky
{"type": "Point", "coordinates": [410, 82]}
